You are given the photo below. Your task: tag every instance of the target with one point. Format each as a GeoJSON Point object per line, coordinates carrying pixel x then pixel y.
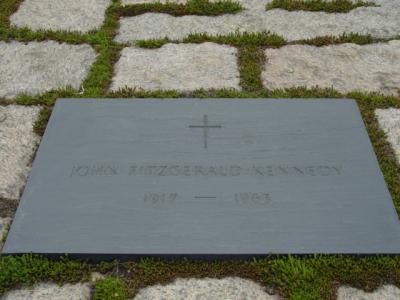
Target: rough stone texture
{"type": "Point", "coordinates": [347, 67]}
{"type": "Point", "coordinates": [47, 291]}
{"type": "Point", "coordinates": [387, 292]}
{"type": "Point", "coordinates": [183, 67]}
{"type": "Point", "coordinates": [382, 21]}
{"type": "Point", "coordinates": [17, 145]}
{"type": "Point", "coordinates": [389, 121]}
{"type": "Point", "coordinates": [37, 67]}
{"type": "Point", "coordinates": [230, 288]}
{"type": "Point", "coordinates": [71, 15]}
{"type": "Point", "coordinates": [4, 224]}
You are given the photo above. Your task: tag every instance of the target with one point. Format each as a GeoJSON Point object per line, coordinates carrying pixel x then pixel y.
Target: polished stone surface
{"type": "Point", "coordinates": [205, 178]}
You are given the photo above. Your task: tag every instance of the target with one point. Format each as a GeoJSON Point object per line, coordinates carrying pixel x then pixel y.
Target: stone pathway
{"type": "Point", "coordinates": [35, 68]}
{"type": "Point", "coordinates": [387, 292]}
{"type": "Point", "coordinates": [347, 68]}
{"type": "Point", "coordinates": [4, 225]}
{"type": "Point", "coordinates": [381, 22]}
{"type": "Point", "coordinates": [72, 15]}
{"type": "Point", "coordinates": [177, 67]}
{"type": "Point", "coordinates": [230, 288]}
{"type": "Point", "coordinates": [389, 120]}
{"type": "Point", "coordinates": [17, 144]}
{"type": "Point", "coordinates": [47, 291]}
{"type": "Point", "coordinates": [38, 67]}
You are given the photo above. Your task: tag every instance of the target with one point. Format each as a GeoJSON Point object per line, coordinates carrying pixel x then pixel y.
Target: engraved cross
{"type": "Point", "coordinates": [205, 127]}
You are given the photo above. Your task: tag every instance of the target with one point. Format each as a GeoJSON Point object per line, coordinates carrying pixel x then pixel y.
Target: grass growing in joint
{"type": "Point", "coordinates": [236, 39]}
{"type": "Point", "coordinates": [110, 288]}
{"type": "Point", "coordinates": [330, 6]}
{"type": "Point", "coordinates": [354, 38]}
{"type": "Point", "coordinates": [30, 269]}
{"type": "Point", "coordinates": [250, 60]}
{"type": "Point", "coordinates": [7, 8]}
{"type": "Point", "coordinates": [192, 7]}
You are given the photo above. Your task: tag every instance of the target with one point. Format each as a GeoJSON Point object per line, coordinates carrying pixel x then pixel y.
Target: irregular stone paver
{"type": "Point", "coordinates": [71, 15]}
{"type": "Point", "coordinates": [389, 121]}
{"type": "Point", "coordinates": [230, 288]}
{"type": "Point", "coordinates": [347, 67]}
{"type": "Point", "coordinates": [17, 145]}
{"type": "Point", "coordinates": [4, 224]}
{"type": "Point", "coordinates": [37, 67]}
{"type": "Point", "coordinates": [381, 22]}
{"type": "Point", "coordinates": [50, 292]}
{"type": "Point", "coordinates": [183, 67]}
{"type": "Point", "coordinates": [387, 292]}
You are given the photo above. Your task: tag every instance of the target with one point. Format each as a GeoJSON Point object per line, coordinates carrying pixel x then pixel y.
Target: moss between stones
{"type": "Point", "coordinates": [330, 6]}
{"type": "Point", "coordinates": [192, 7]}
{"type": "Point", "coordinates": [110, 288]}
{"type": "Point", "coordinates": [313, 277]}
{"type": "Point", "coordinates": [8, 207]}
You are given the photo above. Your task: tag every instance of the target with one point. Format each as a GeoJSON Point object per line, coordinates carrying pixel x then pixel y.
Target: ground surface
{"type": "Point", "coordinates": [195, 48]}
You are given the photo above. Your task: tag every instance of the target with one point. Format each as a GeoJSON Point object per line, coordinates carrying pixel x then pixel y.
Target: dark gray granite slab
{"type": "Point", "coordinates": [205, 178]}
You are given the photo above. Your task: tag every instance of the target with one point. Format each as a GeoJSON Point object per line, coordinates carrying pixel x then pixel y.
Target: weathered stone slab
{"type": "Point", "coordinates": [183, 67]}
{"type": "Point", "coordinates": [381, 22]}
{"type": "Point", "coordinates": [4, 225]}
{"type": "Point", "coordinates": [205, 178]}
{"type": "Point", "coordinates": [38, 67]}
{"type": "Point", "coordinates": [387, 292]}
{"type": "Point", "coordinates": [230, 288]}
{"type": "Point", "coordinates": [346, 68]}
{"type": "Point", "coordinates": [71, 15]}
{"type": "Point", "coordinates": [389, 121]}
{"type": "Point", "coordinates": [17, 145]}
{"type": "Point", "coordinates": [50, 291]}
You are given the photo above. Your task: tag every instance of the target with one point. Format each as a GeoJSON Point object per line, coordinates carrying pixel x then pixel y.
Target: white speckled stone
{"type": "Point", "coordinates": [71, 15]}
{"type": "Point", "coordinates": [38, 67]}
{"type": "Point", "coordinates": [382, 22]}
{"type": "Point", "coordinates": [47, 291]}
{"type": "Point", "coordinates": [387, 292]}
{"type": "Point", "coordinates": [230, 288]}
{"type": "Point", "coordinates": [17, 145]}
{"type": "Point", "coordinates": [183, 67]}
{"type": "Point", "coordinates": [4, 224]}
{"type": "Point", "coordinates": [389, 121]}
{"type": "Point", "coordinates": [347, 67]}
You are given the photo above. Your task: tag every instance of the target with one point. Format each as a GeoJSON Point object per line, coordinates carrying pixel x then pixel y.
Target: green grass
{"type": "Point", "coordinates": [313, 277]}
{"type": "Point", "coordinates": [330, 6]}
{"type": "Point", "coordinates": [263, 39]}
{"type": "Point", "coordinates": [29, 269]}
{"type": "Point", "coordinates": [110, 289]}
{"type": "Point", "coordinates": [354, 38]}
{"type": "Point", "coordinates": [250, 61]}
{"type": "Point", "coordinates": [192, 7]}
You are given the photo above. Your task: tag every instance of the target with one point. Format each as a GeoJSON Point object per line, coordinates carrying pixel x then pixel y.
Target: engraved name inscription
{"type": "Point", "coordinates": [94, 170]}
{"type": "Point", "coordinates": [233, 170]}
{"type": "Point", "coordinates": [205, 170]}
